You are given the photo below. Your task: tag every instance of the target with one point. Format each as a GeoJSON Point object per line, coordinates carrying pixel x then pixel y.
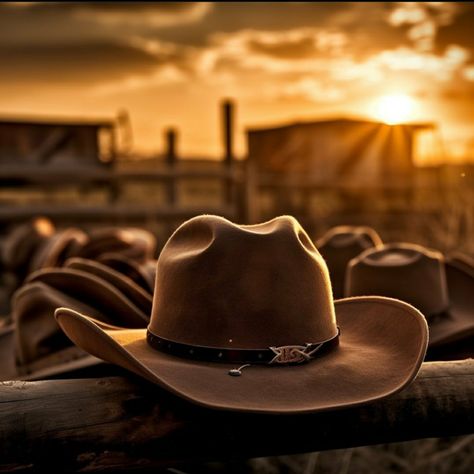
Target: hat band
{"type": "Point", "coordinates": [291, 354]}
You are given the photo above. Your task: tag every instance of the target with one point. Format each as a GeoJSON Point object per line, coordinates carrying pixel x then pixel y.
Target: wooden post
{"type": "Point", "coordinates": [171, 138]}
{"type": "Point", "coordinates": [228, 135]}
{"type": "Point", "coordinates": [228, 122]}
{"type": "Point", "coordinates": [171, 184]}
{"type": "Point", "coordinates": [125, 423]}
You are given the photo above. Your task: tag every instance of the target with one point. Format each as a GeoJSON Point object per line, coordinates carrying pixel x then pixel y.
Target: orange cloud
{"type": "Point", "coordinates": [154, 14]}
{"type": "Point", "coordinates": [424, 19]}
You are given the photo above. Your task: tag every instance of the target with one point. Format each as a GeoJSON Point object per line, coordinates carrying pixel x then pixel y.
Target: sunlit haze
{"type": "Point", "coordinates": [394, 108]}
{"type": "Point", "coordinates": [171, 65]}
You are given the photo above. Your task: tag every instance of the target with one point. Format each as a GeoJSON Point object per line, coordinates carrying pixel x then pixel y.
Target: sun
{"type": "Point", "coordinates": [394, 108]}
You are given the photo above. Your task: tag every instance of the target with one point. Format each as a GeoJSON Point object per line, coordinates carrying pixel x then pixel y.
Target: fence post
{"type": "Point", "coordinates": [171, 139]}
{"type": "Point", "coordinates": [228, 137]}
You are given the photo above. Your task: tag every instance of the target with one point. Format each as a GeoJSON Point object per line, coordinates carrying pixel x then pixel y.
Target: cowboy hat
{"type": "Point", "coordinates": [86, 286]}
{"type": "Point", "coordinates": [134, 243]}
{"type": "Point", "coordinates": [341, 244]}
{"type": "Point", "coordinates": [57, 248]}
{"type": "Point", "coordinates": [23, 240]}
{"type": "Point", "coordinates": [33, 345]}
{"type": "Point", "coordinates": [143, 274]}
{"type": "Point", "coordinates": [135, 293]}
{"type": "Point", "coordinates": [256, 301]}
{"type": "Point", "coordinates": [441, 288]}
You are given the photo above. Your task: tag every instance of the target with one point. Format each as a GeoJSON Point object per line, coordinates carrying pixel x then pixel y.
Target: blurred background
{"type": "Point", "coordinates": [148, 114]}
{"type": "Point", "coordinates": [337, 113]}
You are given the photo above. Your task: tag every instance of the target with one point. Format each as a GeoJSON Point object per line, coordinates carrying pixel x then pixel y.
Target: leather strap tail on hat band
{"type": "Point", "coordinates": [282, 355]}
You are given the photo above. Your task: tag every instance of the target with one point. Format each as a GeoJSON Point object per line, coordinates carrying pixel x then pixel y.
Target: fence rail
{"type": "Point", "coordinates": [168, 175]}
{"type": "Point", "coordinates": [114, 424]}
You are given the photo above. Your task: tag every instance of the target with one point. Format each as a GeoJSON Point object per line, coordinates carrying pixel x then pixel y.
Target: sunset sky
{"type": "Point", "coordinates": [170, 64]}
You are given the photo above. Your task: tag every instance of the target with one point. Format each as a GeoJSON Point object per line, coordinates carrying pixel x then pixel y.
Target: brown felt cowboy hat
{"type": "Point", "coordinates": [134, 292]}
{"type": "Point", "coordinates": [341, 244]}
{"type": "Point", "coordinates": [441, 288]}
{"type": "Point", "coordinates": [134, 243]}
{"type": "Point", "coordinates": [34, 347]}
{"type": "Point", "coordinates": [255, 301]}
{"type": "Point", "coordinates": [23, 240]}
{"type": "Point", "coordinates": [57, 248]}
{"type": "Point", "coordinates": [143, 274]}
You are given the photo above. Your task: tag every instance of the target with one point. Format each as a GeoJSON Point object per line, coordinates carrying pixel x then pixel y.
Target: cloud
{"type": "Point", "coordinates": [468, 73]}
{"type": "Point", "coordinates": [320, 64]}
{"type": "Point", "coordinates": [73, 63]}
{"type": "Point", "coordinates": [154, 14]}
{"type": "Point", "coordinates": [290, 44]}
{"type": "Point", "coordinates": [316, 63]}
{"type": "Point", "coordinates": [297, 50]}
{"type": "Point", "coordinates": [311, 89]}
{"type": "Point", "coordinates": [438, 67]}
{"type": "Point", "coordinates": [423, 19]}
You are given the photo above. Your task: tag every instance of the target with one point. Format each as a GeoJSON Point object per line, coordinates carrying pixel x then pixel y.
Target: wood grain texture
{"type": "Point", "coordinates": [123, 423]}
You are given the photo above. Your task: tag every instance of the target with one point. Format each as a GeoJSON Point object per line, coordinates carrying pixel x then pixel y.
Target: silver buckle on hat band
{"type": "Point", "coordinates": [285, 355]}
{"type": "Point", "coordinates": [293, 354]}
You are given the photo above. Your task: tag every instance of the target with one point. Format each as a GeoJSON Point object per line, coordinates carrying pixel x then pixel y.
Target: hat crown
{"type": "Point", "coordinates": [220, 284]}
{"type": "Point", "coordinates": [339, 245]}
{"type": "Point", "coordinates": [408, 272]}
{"type": "Point", "coordinates": [360, 237]}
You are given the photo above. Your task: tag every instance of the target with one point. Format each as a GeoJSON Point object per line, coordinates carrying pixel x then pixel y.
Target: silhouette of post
{"type": "Point", "coordinates": [171, 139]}
{"type": "Point", "coordinates": [228, 135]}
{"type": "Point", "coordinates": [228, 122]}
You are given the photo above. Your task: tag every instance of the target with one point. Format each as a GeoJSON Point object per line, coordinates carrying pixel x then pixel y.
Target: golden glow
{"type": "Point", "coordinates": [394, 108]}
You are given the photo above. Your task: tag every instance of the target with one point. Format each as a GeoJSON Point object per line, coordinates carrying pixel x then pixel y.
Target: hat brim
{"type": "Point", "coordinates": [457, 323]}
{"type": "Point", "coordinates": [140, 274]}
{"type": "Point", "coordinates": [382, 345]}
{"type": "Point", "coordinates": [135, 293]}
{"type": "Point", "coordinates": [66, 368]}
{"type": "Point", "coordinates": [96, 291]}
{"type": "Point", "coordinates": [44, 368]}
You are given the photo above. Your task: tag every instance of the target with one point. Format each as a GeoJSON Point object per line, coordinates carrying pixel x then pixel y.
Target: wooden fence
{"type": "Point", "coordinates": [168, 175]}
{"type": "Point", "coordinates": [124, 423]}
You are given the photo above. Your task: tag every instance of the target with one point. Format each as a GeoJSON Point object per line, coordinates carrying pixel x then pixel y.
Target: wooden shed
{"type": "Point", "coordinates": [340, 152]}
{"type": "Point", "coordinates": [54, 142]}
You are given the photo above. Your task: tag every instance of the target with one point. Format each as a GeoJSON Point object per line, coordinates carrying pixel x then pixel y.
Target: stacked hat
{"type": "Point", "coordinates": [133, 243]}
{"type": "Point", "coordinates": [143, 274]}
{"type": "Point", "coordinates": [16, 252]}
{"type": "Point", "coordinates": [339, 245]}
{"type": "Point", "coordinates": [57, 248]}
{"type": "Point", "coordinates": [22, 241]}
{"type": "Point", "coordinates": [34, 347]}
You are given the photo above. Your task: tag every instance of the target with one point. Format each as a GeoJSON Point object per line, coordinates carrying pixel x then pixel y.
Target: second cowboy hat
{"type": "Point", "coordinates": [57, 248]}
{"type": "Point", "coordinates": [441, 288]}
{"type": "Point", "coordinates": [341, 244]}
{"type": "Point", "coordinates": [143, 274]}
{"type": "Point", "coordinates": [23, 240]}
{"type": "Point", "coordinates": [243, 319]}
{"type": "Point", "coordinates": [134, 243]}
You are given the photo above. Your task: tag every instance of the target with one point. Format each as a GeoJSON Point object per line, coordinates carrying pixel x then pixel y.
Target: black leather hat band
{"type": "Point", "coordinates": [291, 354]}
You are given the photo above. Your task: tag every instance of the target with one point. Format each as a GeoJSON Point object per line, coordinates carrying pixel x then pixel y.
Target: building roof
{"type": "Point", "coordinates": [56, 121]}
{"type": "Point", "coordinates": [338, 121]}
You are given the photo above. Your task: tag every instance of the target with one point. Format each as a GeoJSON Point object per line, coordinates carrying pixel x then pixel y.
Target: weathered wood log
{"type": "Point", "coordinates": [125, 423]}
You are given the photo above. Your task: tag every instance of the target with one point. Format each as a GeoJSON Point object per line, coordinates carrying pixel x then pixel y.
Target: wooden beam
{"type": "Point", "coordinates": [228, 130]}
{"type": "Point", "coordinates": [113, 424]}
